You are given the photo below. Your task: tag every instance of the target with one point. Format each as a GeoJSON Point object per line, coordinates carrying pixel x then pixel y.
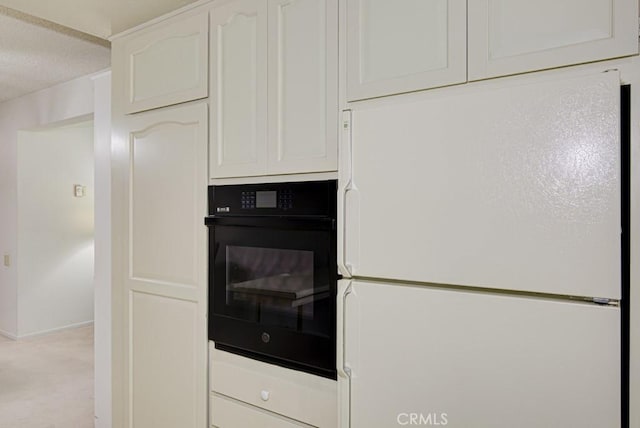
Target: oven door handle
{"type": "Point", "coordinates": [287, 223]}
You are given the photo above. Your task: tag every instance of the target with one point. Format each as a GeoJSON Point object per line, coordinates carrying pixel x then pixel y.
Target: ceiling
{"type": "Point", "coordinates": [45, 42]}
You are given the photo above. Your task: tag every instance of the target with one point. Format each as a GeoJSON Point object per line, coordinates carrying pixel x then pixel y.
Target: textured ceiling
{"type": "Point", "coordinates": [35, 54]}
{"type": "Point", "coordinates": [45, 42]}
{"type": "Point", "coordinates": [101, 18]}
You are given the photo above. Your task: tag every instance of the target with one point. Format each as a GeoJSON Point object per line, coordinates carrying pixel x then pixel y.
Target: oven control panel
{"type": "Point", "coordinates": [248, 200]}
{"type": "Point", "coordinates": [282, 199]}
{"type": "Point", "coordinates": [294, 198]}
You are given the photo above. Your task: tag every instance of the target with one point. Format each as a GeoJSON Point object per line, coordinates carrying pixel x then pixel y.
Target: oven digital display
{"type": "Point", "coordinates": [266, 199]}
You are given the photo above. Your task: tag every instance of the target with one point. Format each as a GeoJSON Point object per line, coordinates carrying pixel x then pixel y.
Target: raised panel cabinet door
{"type": "Point", "coordinates": [515, 36]}
{"type": "Point", "coordinates": [167, 64]}
{"type": "Point", "coordinates": [303, 86]}
{"type": "Point", "coordinates": [164, 269]}
{"type": "Point", "coordinates": [404, 45]}
{"type": "Point", "coordinates": [463, 359]}
{"type": "Point", "coordinates": [239, 89]}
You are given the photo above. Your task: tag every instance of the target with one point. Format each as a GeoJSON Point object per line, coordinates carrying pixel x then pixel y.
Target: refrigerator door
{"type": "Point", "coordinates": [511, 184]}
{"type": "Point", "coordinates": [477, 360]}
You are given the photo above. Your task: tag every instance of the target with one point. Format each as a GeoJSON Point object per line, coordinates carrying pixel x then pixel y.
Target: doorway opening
{"type": "Point", "coordinates": [52, 362]}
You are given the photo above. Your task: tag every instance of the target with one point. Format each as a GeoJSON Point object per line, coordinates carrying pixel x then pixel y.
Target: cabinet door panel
{"type": "Point", "coordinates": [303, 109]}
{"type": "Point", "coordinates": [238, 114]}
{"type": "Point", "coordinates": [165, 339]}
{"type": "Point", "coordinates": [512, 36]}
{"type": "Point", "coordinates": [154, 165]}
{"type": "Point", "coordinates": [164, 269]}
{"type": "Point", "coordinates": [468, 359]}
{"type": "Point", "coordinates": [167, 65]}
{"type": "Point", "coordinates": [403, 46]}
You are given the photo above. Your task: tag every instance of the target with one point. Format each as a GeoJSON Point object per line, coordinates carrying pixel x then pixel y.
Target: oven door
{"type": "Point", "coordinates": [272, 289]}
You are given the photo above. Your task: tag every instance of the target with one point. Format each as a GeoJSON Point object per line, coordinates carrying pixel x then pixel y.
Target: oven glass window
{"type": "Point", "coordinates": [274, 278]}
{"type": "Point", "coordinates": [277, 283]}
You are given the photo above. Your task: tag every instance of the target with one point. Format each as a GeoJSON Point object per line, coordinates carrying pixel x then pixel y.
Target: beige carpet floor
{"type": "Point", "coordinates": [47, 381]}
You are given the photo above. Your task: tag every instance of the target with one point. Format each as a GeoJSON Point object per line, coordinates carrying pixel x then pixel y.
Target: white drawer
{"type": "Point", "coordinates": [297, 395]}
{"type": "Point", "coordinates": [229, 413]}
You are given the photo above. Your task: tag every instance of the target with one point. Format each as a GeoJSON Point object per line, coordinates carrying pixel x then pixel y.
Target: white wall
{"type": "Point", "coordinates": [102, 309]}
{"type": "Point", "coordinates": [55, 228]}
{"type": "Point", "coordinates": [61, 102]}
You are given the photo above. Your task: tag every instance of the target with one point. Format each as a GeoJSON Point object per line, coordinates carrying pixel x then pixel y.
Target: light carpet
{"type": "Point", "coordinates": [47, 381]}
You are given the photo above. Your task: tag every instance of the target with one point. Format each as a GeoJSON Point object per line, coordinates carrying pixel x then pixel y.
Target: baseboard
{"type": "Point", "coordinates": [54, 330]}
{"type": "Point", "coordinates": [8, 335]}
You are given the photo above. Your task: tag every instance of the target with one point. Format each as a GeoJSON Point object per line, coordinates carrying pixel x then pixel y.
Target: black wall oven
{"type": "Point", "coordinates": [273, 273]}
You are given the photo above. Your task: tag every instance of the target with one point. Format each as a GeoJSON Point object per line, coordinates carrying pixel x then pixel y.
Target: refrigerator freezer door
{"type": "Point", "coordinates": [478, 360]}
{"type": "Point", "coordinates": [512, 184]}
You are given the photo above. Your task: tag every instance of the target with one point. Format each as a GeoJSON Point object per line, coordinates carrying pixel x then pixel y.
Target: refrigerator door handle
{"type": "Point", "coordinates": [344, 369]}
{"type": "Point", "coordinates": [345, 179]}
{"type": "Point", "coordinates": [344, 291]}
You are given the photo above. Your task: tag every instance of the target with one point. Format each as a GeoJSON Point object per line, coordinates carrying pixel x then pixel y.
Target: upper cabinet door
{"type": "Point", "coordinates": [239, 89]}
{"type": "Point", "coordinates": [404, 45]}
{"type": "Point", "coordinates": [303, 86]}
{"type": "Point", "coordinates": [167, 65]}
{"type": "Point", "coordinates": [513, 36]}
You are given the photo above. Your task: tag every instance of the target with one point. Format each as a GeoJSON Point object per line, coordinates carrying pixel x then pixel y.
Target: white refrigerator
{"type": "Point", "coordinates": [480, 241]}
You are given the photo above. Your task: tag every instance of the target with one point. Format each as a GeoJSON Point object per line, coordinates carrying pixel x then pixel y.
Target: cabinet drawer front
{"type": "Point", "coordinates": [167, 65]}
{"type": "Point", "coordinates": [507, 37]}
{"type": "Point", "coordinates": [228, 413]}
{"type": "Point", "coordinates": [300, 396]}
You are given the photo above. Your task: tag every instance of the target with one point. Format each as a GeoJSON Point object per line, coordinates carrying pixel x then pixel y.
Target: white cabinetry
{"type": "Point", "coordinates": [402, 46]}
{"type": "Point", "coordinates": [274, 87]}
{"type": "Point", "coordinates": [476, 360]}
{"type": "Point", "coordinates": [409, 45]}
{"type": "Point", "coordinates": [282, 396]}
{"type": "Point", "coordinates": [513, 36]}
{"type": "Point", "coordinates": [238, 89]}
{"type": "Point", "coordinates": [166, 64]}
{"type": "Point", "coordinates": [229, 413]}
{"type": "Point", "coordinates": [160, 257]}
{"type": "Point", "coordinates": [303, 86]}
